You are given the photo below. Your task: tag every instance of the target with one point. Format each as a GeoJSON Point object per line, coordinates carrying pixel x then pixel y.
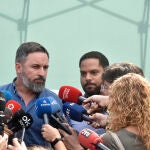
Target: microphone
{"type": "Point", "coordinates": [7, 94]}
{"type": "Point", "coordinates": [24, 121]}
{"type": "Point", "coordinates": [8, 115]}
{"type": "Point", "coordinates": [43, 108]}
{"type": "Point", "coordinates": [70, 94]}
{"type": "Point", "coordinates": [76, 112]}
{"type": "Point", "coordinates": [13, 105]}
{"type": "Point", "coordinates": [48, 108]}
{"type": "Point", "coordinates": [90, 139]}
{"type": "Point", "coordinates": [2, 108]}
{"type": "Point", "coordinates": [19, 121]}
{"type": "Point", "coordinates": [2, 102]}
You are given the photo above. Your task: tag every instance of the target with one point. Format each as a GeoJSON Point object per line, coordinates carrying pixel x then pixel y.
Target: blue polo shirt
{"type": "Point", "coordinates": [33, 134]}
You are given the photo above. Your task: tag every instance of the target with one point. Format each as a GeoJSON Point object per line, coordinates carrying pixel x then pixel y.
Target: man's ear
{"type": "Point", "coordinates": [18, 67]}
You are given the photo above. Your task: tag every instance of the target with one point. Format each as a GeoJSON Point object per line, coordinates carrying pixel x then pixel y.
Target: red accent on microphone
{"type": "Point", "coordinates": [89, 139]}
{"type": "Point", "coordinates": [69, 94]}
{"type": "Point", "coordinates": [13, 105]}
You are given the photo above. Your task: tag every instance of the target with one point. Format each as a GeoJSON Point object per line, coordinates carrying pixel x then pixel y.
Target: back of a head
{"type": "Point", "coordinates": [29, 47]}
{"type": "Point", "coordinates": [129, 104]}
{"type": "Point", "coordinates": [130, 91]}
{"type": "Point", "coordinates": [133, 68]}
{"type": "Point", "coordinates": [103, 61]}
{"type": "Point", "coordinates": [117, 70]}
{"type": "Point", "coordinates": [38, 147]}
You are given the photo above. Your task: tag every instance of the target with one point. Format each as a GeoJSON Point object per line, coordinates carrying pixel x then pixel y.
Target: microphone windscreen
{"type": "Point", "coordinates": [74, 111]}
{"type": "Point", "coordinates": [8, 115]}
{"type": "Point", "coordinates": [89, 139]}
{"type": "Point", "coordinates": [2, 101]}
{"type": "Point", "coordinates": [15, 117]}
{"type": "Point", "coordinates": [46, 105]}
{"type": "Point", "coordinates": [7, 94]}
{"type": "Point", "coordinates": [69, 94]}
{"type": "Point", "coordinates": [24, 121]}
{"type": "Point", "coordinates": [55, 107]}
{"type": "Point", "coordinates": [13, 105]}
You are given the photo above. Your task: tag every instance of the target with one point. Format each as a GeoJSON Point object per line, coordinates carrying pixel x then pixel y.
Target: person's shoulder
{"type": "Point", "coordinates": [109, 141]}
{"type": "Point", "coordinates": [49, 92]}
{"type": "Point", "coordinates": [6, 86]}
{"type": "Point", "coordinates": [106, 136]}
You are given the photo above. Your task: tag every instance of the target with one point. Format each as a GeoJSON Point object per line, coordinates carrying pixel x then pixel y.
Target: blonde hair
{"type": "Point", "coordinates": [37, 147]}
{"type": "Point", "coordinates": [130, 105]}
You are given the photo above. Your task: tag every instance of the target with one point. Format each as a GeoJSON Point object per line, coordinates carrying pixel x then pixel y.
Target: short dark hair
{"type": "Point", "coordinates": [117, 70]}
{"type": "Point", "coordinates": [103, 61]}
{"type": "Point", "coordinates": [29, 47]}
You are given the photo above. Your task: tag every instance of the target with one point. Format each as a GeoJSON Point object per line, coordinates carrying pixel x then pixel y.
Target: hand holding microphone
{"type": "Point", "coordinates": [17, 145]}
{"type": "Point", "coordinates": [74, 95]}
{"type": "Point", "coordinates": [76, 112]}
{"type": "Point", "coordinates": [101, 100]}
{"type": "Point", "coordinates": [52, 135]}
{"type": "Point", "coordinates": [71, 141]}
{"type": "Point", "coordinates": [3, 142]}
{"type": "Point", "coordinates": [100, 120]}
{"type": "Point", "coordinates": [48, 108]}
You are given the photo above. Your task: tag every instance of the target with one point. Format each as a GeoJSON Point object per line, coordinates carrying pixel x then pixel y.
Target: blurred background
{"type": "Point", "coordinates": [69, 28]}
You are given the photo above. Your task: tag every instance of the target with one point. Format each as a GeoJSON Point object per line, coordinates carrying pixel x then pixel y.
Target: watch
{"type": "Point", "coordinates": [56, 141]}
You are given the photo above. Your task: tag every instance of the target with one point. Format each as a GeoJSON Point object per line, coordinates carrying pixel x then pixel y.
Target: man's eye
{"type": "Point", "coordinates": [83, 73]}
{"type": "Point", "coordinates": [35, 67]}
{"type": "Point", "coordinates": [45, 67]}
{"type": "Point", "coordinates": [94, 73]}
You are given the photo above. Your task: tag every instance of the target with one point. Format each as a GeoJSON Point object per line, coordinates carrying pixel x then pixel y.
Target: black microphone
{"type": "Point", "coordinates": [2, 102]}
{"type": "Point", "coordinates": [2, 108]}
{"type": "Point", "coordinates": [8, 115]}
{"type": "Point", "coordinates": [19, 121]}
{"type": "Point", "coordinates": [25, 122]}
{"type": "Point", "coordinates": [76, 112]}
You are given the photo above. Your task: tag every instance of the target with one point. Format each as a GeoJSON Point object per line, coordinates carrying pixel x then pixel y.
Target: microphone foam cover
{"type": "Point", "coordinates": [2, 101]}
{"type": "Point", "coordinates": [69, 94]}
{"type": "Point", "coordinates": [24, 121]}
{"type": "Point", "coordinates": [89, 139]}
{"type": "Point", "coordinates": [13, 105]}
{"type": "Point", "coordinates": [8, 115]}
{"type": "Point", "coordinates": [74, 111]}
{"type": "Point", "coordinates": [46, 105]}
{"type": "Point", "coordinates": [15, 117]}
{"type": "Point", "coordinates": [55, 107]}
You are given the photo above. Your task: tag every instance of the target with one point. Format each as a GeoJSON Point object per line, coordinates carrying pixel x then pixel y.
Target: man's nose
{"type": "Point", "coordinates": [88, 76]}
{"type": "Point", "coordinates": [42, 71]}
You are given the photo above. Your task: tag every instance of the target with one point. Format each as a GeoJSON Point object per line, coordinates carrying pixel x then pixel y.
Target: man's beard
{"type": "Point", "coordinates": [33, 86]}
{"type": "Point", "coordinates": [95, 91]}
